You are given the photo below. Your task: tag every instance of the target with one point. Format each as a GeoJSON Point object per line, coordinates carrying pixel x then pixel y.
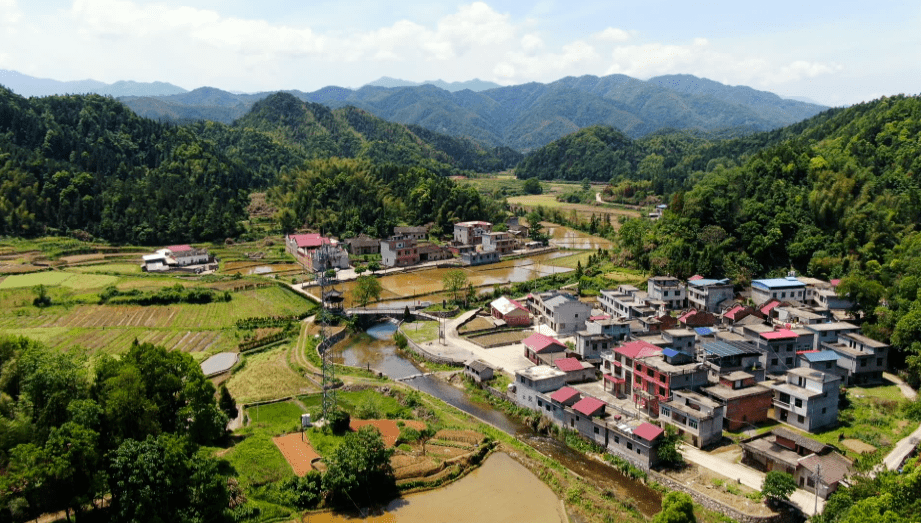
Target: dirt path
{"type": "Point", "coordinates": [906, 445]}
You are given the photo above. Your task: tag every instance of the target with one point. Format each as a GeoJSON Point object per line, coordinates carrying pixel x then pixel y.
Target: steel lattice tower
{"type": "Point", "coordinates": [322, 261]}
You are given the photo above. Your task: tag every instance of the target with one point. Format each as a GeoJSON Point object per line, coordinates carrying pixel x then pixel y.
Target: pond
{"type": "Point", "coordinates": [501, 490]}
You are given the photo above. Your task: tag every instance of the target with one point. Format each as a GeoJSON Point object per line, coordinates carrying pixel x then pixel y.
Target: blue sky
{"type": "Point", "coordinates": [835, 53]}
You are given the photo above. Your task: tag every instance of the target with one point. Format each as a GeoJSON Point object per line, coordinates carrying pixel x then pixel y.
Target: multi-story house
{"type": "Point", "coordinates": [726, 357]}
{"type": "Point", "coordinates": [498, 242]}
{"type": "Point", "coordinates": [778, 347]}
{"type": "Point", "coordinates": [784, 289]}
{"type": "Point", "coordinates": [656, 377]}
{"type": "Point", "coordinates": [862, 360]}
{"type": "Point", "coordinates": [412, 233]}
{"type": "Point", "coordinates": [746, 403]}
{"type": "Point", "coordinates": [618, 365]}
{"type": "Point", "coordinates": [470, 233]}
{"type": "Point", "coordinates": [830, 332]}
{"type": "Point", "coordinates": [560, 311]}
{"type": "Point", "coordinates": [669, 290]}
{"type": "Point", "coordinates": [806, 399]}
{"type": "Point", "coordinates": [626, 302]}
{"type": "Point", "coordinates": [539, 348]}
{"type": "Point", "coordinates": [698, 418]}
{"type": "Point", "coordinates": [399, 252]}
{"type": "Point", "coordinates": [708, 295]}
{"type": "Point", "coordinates": [534, 381]}
{"type": "Point", "coordinates": [600, 335]}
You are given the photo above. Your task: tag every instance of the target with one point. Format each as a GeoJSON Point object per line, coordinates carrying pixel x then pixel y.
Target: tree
{"type": "Point", "coordinates": [358, 471]}
{"type": "Point", "coordinates": [677, 507]}
{"type": "Point", "coordinates": [453, 282]}
{"type": "Point", "coordinates": [227, 403]}
{"type": "Point", "coordinates": [41, 297]}
{"type": "Point", "coordinates": [367, 289]}
{"type": "Point", "coordinates": [667, 451]}
{"type": "Point", "coordinates": [778, 486]}
{"type": "Point", "coordinates": [338, 420]}
{"type": "Point", "coordinates": [373, 266]}
{"type": "Point", "coordinates": [532, 186]}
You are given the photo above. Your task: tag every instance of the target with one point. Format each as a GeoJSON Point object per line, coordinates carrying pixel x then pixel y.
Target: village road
{"type": "Point", "coordinates": [508, 358]}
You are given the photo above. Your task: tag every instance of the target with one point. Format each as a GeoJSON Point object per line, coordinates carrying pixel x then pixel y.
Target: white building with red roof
{"type": "Point", "coordinates": [510, 311]}
{"type": "Point", "coordinates": [576, 370]}
{"type": "Point", "coordinates": [618, 364]}
{"type": "Point", "coordinates": [540, 348]}
{"type": "Point", "coordinates": [172, 256]}
{"type": "Point", "coordinates": [304, 248]}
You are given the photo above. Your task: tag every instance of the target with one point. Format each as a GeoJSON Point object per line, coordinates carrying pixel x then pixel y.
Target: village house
{"type": "Point", "coordinates": [431, 252]}
{"type": "Point", "coordinates": [862, 360]}
{"type": "Point", "coordinates": [736, 313]}
{"type": "Point", "coordinates": [788, 288]}
{"type": "Point", "coordinates": [617, 366]}
{"type": "Point", "coordinates": [708, 295]}
{"type": "Point", "coordinates": [542, 349]}
{"type": "Point", "coordinates": [823, 360]}
{"type": "Point", "coordinates": [656, 377]}
{"type": "Point", "coordinates": [470, 233]}
{"type": "Point", "coordinates": [695, 318]}
{"type": "Point", "coordinates": [626, 302]}
{"type": "Point", "coordinates": [600, 335]}
{"type": "Point", "coordinates": [363, 245]}
{"type": "Point", "coordinates": [411, 233]}
{"type": "Point", "coordinates": [778, 347]}
{"type": "Point", "coordinates": [554, 406]}
{"type": "Point", "coordinates": [304, 247]}
{"type": "Point", "coordinates": [829, 299]}
{"type": "Point", "coordinates": [800, 315]}
{"type": "Point", "coordinates": [727, 357]}
{"type": "Point", "coordinates": [809, 461]}
{"type": "Point", "coordinates": [576, 371]}
{"type": "Point", "coordinates": [667, 289]}
{"type": "Point", "coordinates": [511, 312]}
{"type": "Point", "coordinates": [806, 399]}
{"type": "Point", "coordinates": [698, 418]}
{"type": "Point", "coordinates": [478, 370]}
{"type": "Point", "coordinates": [399, 252]}
{"type": "Point", "coordinates": [478, 258]}
{"type": "Point", "coordinates": [174, 256]}
{"type": "Point", "coordinates": [562, 312]}
{"type": "Point", "coordinates": [498, 242]}
{"type": "Point", "coordinates": [830, 332]}
{"type": "Point", "coordinates": [632, 440]}
{"type": "Point", "coordinates": [746, 403]}
{"type": "Point", "coordinates": [532, 382]}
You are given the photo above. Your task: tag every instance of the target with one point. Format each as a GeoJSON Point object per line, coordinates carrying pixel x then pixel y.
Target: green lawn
{"type": "Point", "coordinates": [47, 278]}
{"type": "Point", "coordinates": [421, 331]}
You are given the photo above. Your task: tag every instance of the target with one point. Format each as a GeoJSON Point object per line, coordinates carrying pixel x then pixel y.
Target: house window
{"type": "Point", "coordinates": [823, 410]}
{"type": "Point", "coordinates": [638, 450]}
{"type": "Point", "coordinates": [629, 445]}
{"type": "Point", "coordinates": [800, 418]}
{"type": "Point", "coordinates": [692, 423]}
{"type": "Point", "coordinates": [790, 361]}
{"type": "Point", "coordinates": [863, 362]}
{"type": "Point", "coordinates": [540, 403]}
{"type": "Point", "coordinates": [596, 430]}
{"type": "Point", "coordinates": [617, 440]}
{"type": "Point", "coordinates": [650, 372]}
{"type": "Point", "coordinates": [798, 402]}
{"type": "Point", "coordinates": [879, 362]}
{"type": "Point", "coordinates": [577, 418]}
{"type": "Point", "coordinates": [774, 361]}
{"type": "Point", "coordinates": [666, 411]}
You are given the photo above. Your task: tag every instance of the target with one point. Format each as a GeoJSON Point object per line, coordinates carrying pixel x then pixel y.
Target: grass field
{"type": "Point", "coordinates": [421, 331]}
{"type": "Point", "coordinates": [268, 375]}
{"type": "Point", "coordinates": [47, 278]}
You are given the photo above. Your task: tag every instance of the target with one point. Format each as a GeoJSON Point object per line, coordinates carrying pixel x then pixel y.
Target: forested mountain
{"type": "Point", "coordinates": [89, 163]}
{"type": "Point", "coordinates": [528, 116]}
{"type": "Point", "coordinates": [475, 85]}
{"type": "Point", "coordinates": [25, 85]}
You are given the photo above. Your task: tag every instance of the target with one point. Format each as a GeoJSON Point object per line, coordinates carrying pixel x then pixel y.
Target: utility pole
{"type": "Point", "coordinates": [818, 478]}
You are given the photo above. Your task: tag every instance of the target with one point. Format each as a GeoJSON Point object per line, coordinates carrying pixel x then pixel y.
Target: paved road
{"type": "Point", "coordinates": [746, 475]}
{"type": "Point", "coordinates": [508, 358]}
{"type": "Point", "coordinates": [903, 448]}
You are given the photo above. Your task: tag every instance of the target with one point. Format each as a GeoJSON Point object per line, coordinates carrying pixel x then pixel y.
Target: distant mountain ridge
{"type": "Point", "coordinates": [475, 85]}
{"type": "Point", "coordinates": [29, 86]}
{"type": "Point", "coordinates": [527, 116]}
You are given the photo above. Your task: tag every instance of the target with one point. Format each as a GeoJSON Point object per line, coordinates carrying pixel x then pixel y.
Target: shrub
{"type": "Point", "coordinates": [338, 421]}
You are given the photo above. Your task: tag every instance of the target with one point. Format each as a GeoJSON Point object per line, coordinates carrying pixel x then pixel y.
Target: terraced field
{"type": "Point", "coordinates": [81, 321]}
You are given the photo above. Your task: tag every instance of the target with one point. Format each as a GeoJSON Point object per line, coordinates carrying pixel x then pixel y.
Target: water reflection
{"type": "Point", "coordinates": [501, 490]}
{"type": "Point", "coordinates": [567, 238]}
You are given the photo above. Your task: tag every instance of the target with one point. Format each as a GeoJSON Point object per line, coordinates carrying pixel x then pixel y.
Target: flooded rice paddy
{"type": "Point", "coordinates": [566, 238]}
{"type": "Point", "coordinates": [248, 268]}
{"type": "Point", "coordinates": [501, 490]}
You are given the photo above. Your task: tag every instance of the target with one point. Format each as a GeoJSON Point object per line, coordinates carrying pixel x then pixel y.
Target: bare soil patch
{"type": "Point", "coordinates": [387, 427]}
{"type": "Point", "coordinates": [297, 452]}
{"type": "Point", "coordinates": [858, 446]}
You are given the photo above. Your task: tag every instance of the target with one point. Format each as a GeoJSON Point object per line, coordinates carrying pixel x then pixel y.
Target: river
{"type": "Point", "coordinates": [381, 355]}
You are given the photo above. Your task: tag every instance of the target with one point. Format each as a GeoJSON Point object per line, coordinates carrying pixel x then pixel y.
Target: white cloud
{"type": "Point", "coordinates": [9, 12]}
{"type": "Point", "coordinates": [612, 34]}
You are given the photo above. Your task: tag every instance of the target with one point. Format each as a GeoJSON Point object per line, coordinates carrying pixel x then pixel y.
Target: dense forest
{"type": "Point", "coordinates": [88, 166]}
{"type": "Point", "coordinates": [129, 428]}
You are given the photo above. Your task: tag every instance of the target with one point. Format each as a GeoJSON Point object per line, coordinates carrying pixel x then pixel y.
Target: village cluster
{"type": "Point", "coordinates": [699, 357]}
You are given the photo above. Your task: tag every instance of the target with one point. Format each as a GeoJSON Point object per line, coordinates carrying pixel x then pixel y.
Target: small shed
{"type": "Point", "coordinates": [479, 371]}
{"type": "Point", "coordinates": [576, 371]}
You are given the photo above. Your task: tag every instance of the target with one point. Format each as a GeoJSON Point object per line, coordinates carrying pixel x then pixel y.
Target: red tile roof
{"type": "Point", "coordinates": [638, 349]}
{"type": "Point", "coordinates": [565, 394]}
{"type": "Point", "coordinates": [780, 334]}
{"type": "Point", "coordinates": [309, 240]}
{"type": "Point", "coordinates": [600, 317]}
{"type": "Point", "coordinates": [648, 431]}
{"type": "Point", "coordinates": [731, 313]}
{"type": "Point", "coordinates": [695, 277]}
{"type": "Point", "coordinates": [540, 342]}
{"type": "Point", "coordinates": [835, 282]}
{"type": "Point", "coordinates": [568, 364]}
{"type": "Point", "coordinates": [767, 308]}
{"type": "Point", "coordinates": [588, 406]}
{"type": "Point", "coordinates": [179, 248]}
{"type": "Point", "coordinates": [687, 315]}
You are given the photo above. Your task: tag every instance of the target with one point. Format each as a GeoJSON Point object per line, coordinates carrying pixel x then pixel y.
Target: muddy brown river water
{"type": "Point", "coordinates": [500, 491]}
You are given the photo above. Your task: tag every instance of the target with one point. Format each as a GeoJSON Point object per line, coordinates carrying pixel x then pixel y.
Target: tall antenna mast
{"type": "Point", "coordinates": [323, 261]}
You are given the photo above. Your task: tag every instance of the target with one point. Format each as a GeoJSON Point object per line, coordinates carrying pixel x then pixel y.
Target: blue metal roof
{"type": "Point", "coordinates": [779, 283]}
{"type": "Point", "coordinates": [704, 331]}
{"type": "Point", "coordinates": [822, 355]}
{"type": "Point", "coordinates": [670, 353]}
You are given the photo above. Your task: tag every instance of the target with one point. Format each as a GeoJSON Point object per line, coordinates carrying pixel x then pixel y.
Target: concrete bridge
{"type": "Point", "coordinates": [396, 311]}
